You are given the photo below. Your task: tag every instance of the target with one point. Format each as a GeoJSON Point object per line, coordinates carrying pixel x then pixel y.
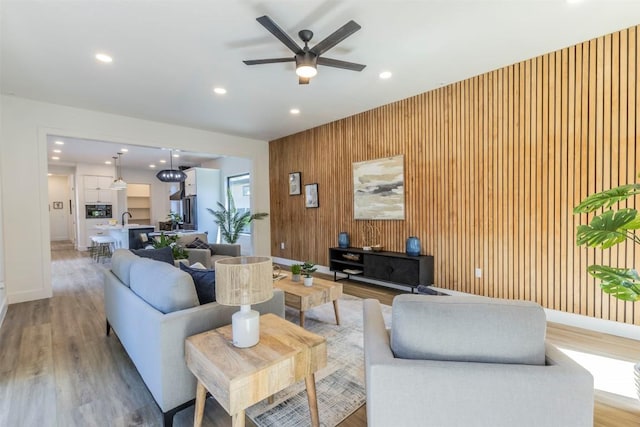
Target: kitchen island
{"type": "Point", "coordinates": [127, 236]}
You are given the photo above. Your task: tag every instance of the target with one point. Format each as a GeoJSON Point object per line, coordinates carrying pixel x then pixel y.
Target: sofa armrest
{"type": "Point", "coordinates": [225, 249]}
{"type": "Point", "coordinates": [203, 256]}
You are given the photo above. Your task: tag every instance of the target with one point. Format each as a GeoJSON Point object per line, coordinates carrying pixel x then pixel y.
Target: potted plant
{"type": "Point", "coordinates": [163, 241]}
{"type": "Point", "coordinates": [609, 228]}
{"type": "Point", "coordinates": [231, 221]}
{"type": "Point", "coordinates": [296, 269]}
{"type": "Point", "coordinates": [175, 219]}
{"type": "Point", "coordinates": [307, 269]}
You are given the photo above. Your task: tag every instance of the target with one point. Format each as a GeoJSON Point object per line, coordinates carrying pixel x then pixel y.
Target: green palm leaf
{"type": "Point", "coordinates": [232, 222]}
{"type": "Point", "coordinates": [607, 198]}
{"type": "Point", "coordinates": [622, 283]}
{"type": "Point", "coordinates": [607, 229]}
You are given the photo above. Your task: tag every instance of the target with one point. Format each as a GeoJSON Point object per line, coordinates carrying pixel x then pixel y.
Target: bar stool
{"type": "Point", "coordinates": [101, 247]}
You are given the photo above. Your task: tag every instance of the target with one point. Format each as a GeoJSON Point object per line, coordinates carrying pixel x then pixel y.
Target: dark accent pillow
{"type": "Point", "coordinates": [199, 244]}
{"type": "Point", "coordinates": [205, 282]}
{"type": "Point", "coordinates": [162, 254]}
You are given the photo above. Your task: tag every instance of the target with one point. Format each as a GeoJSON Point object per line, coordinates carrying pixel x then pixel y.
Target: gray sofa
{"type": "Point", "coordinates": [152, 307]}
{"type": "Point", "coordinates": [467, 361]}
{"type": "Point", "coordinates": [207, 257]}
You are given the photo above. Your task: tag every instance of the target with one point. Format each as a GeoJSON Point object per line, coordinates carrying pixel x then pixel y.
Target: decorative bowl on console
{"type": "Point", "coordinates": [377, 248]}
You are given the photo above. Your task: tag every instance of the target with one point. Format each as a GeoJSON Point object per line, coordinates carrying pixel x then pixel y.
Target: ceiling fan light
{"type": "Point", "coordinates": [306, 71]}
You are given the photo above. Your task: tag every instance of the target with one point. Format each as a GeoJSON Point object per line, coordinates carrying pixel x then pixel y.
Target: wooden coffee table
{"type": "Point", "coordinates": [303, 298]}
{"type": "Point", "coordinates": [240, 377]}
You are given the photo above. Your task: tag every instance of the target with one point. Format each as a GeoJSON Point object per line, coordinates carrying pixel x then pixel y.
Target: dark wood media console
{"type": "Point", "coordinates": [393, 267]}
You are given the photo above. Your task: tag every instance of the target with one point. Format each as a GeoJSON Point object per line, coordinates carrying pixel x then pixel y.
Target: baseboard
{"type": "Point", "coordinates": [556, 316]}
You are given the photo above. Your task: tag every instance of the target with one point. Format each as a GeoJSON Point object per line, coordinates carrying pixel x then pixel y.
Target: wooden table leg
{"type": "Point", "coordinates": [201, 397]}
{"type": "Point", "coordinates": [335, 309]}
{"type": "Point", "coordinates": [310, 381]}
{"type": "Point", "coordinates": [301, 318]}
{"type": "Point", "coordinates": [237, 420]}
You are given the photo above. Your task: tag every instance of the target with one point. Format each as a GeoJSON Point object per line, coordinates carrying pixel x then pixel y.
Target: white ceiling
{"type": "Point", "coordinates": [168, 55]}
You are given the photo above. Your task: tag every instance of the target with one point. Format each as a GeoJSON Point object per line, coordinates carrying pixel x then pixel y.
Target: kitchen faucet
{"type": "Point", "coordinates": [123, 214]}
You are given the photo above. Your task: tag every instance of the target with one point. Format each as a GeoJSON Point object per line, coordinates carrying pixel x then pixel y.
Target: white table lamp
{"type": "Point", "coordinates": [244, 281]}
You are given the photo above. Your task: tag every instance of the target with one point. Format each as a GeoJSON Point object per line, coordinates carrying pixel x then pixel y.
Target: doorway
{"type": "Point", "coordinates": [61, 208]}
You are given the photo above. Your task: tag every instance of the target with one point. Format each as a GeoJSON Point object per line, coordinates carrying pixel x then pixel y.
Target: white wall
{"type": "Point", "coordinates": [58, 218]}
{"type": "Point", "coordinates": [3, 292]}
{"type": "Point", "coordinates": [24, 125]}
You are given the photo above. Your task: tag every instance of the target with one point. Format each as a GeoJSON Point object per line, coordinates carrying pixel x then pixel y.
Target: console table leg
{"type": "Point", "coordinates": [310, 381]}
{"type": "Point", "coordinates": [301, 319]}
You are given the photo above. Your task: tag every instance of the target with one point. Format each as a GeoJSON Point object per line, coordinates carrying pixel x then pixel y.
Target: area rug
{"type": "Point", "coordinates": [340, 385]}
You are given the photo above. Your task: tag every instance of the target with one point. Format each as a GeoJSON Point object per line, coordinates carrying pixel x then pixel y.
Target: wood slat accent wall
{"type": "Point", "coordinates": [493, 167]}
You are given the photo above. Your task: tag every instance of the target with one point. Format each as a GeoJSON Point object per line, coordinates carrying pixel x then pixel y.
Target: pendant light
{"type": "Point", "coordinates": [118, 184]}
{"type": "Point", "coordinates": [171, 174]}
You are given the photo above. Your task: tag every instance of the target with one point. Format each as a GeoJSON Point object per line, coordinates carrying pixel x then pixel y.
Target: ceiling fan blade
{"type": "Point", "coordinates": [340, 64]}
{"type": "Point", "coordinates": [273, 28]}
{"type": "Point", "coordinates": [303, 80]}
{"type": "Point", "coordinates": [338, 35]}
{"type": "Point", "coordinates": [268, 61]}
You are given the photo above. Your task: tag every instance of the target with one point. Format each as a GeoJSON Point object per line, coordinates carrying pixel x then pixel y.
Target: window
{"type": "Point", "coordinates": [241, 192]}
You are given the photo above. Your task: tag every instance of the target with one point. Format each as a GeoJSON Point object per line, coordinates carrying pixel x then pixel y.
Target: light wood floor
{"type": "Point", "coordinates": [57, 367]}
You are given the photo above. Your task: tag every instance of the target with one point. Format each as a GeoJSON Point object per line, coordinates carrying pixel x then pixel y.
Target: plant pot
{"type": "Point", "coordinates": [308, 281]}
{"type": "Point", "coordinates": [295, 277]}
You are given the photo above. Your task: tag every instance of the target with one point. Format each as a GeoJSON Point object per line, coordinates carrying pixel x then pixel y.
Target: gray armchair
{"type": "Point", "coordinates": [469, 361]}
{"type": "Point", "coordinates": [207, 256]}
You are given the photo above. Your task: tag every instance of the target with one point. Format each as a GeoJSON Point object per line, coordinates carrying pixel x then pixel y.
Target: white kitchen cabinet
{"type": "Point", "coordinates": [205, 186]}
{"type": "Point", "coordinates": [96, 189]}
{"type": "Point", "coordinates": [190, 183]}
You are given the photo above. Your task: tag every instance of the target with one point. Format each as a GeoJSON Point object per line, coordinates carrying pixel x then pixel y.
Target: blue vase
{"type": "Point", "coordinates": [413, 246]}
{"type": "Point", "coordinates": [343, 239]}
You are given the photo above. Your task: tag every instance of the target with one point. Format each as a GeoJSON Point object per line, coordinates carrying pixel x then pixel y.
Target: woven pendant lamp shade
{"type": "Point", "coordinates": [244, 280]}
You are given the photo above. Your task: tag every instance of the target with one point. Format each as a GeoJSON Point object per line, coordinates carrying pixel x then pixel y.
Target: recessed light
{"type": "Point", "coordinates": [59, 142]}
{"type": "Point", "coordinates": [103, 57]}
{"type": "Point", "coordinates": [220, 90]}
{"type": "Point", "coordinates": [385, 75]}
{"type": "Point", "coordinates": [163, 161]}
{"type": "Point", "coordinates": [49, 174]}
{"type": "Point", "coordinates": [107, 162]}
{"type": "Point", "coordinates": [294, 111]}
{"type": "Point", "coordinates": [124, 150]}
{"type": "Point", "coordinates": [176, 155]}
{"type": "Point", "coordinates": [152, 166]}
{"type": "Point", "coordinates": [57, 151]}
{"type": "Point", "coordinates": [55, 158]}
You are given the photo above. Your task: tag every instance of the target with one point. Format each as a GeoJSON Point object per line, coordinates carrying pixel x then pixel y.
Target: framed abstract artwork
{"type": "Point", "coordinates": [378, 188]}
{"type": "Point", "coordinates": [294, 184]}
{"type": "Point", "coordinates": [311, 196]}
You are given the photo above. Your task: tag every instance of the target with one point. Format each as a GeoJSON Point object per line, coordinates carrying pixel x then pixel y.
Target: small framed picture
{"type": "Point", "coordinates": [294, 184]}
{"type": "Point", "coordinates": [311, 196]}
{"type": "Point", "coordinates": [57, 205]}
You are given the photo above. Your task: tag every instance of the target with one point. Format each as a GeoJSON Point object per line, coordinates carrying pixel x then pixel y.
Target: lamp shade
{"type": "Point", "coordinates": [244, 280]}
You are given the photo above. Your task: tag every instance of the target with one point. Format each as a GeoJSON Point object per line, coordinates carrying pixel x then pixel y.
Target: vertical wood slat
{"type": "Point", "coordinates": [493, 168]}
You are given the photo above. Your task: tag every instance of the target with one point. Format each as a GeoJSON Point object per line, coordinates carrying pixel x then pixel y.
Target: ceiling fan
{"type": "Point", "coordinates": [307, 59]}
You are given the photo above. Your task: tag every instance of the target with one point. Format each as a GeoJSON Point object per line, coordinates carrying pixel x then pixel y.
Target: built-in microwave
{"type": "Point", "coordinates": [98, 211]}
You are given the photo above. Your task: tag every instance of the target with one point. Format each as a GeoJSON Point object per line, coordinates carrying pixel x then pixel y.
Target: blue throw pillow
{"type": "Point", "coordinates": [162, 254]}
{"type": "Point", "coordinates": [205, 281]}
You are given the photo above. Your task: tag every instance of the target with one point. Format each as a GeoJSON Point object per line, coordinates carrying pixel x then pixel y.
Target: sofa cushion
{"type": "Point", "coordinates": [121, 261]}
{"type": "Point", "coordinates": [198, 244]}
{"type": "Point", "coordinates": [163, 254]}
{"type": "Point", "coordinates": [468, 329]}
{"type": "Point", "coordinates": [204, 281]}
{"type": "Point", "coordinates": [163, 286]}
